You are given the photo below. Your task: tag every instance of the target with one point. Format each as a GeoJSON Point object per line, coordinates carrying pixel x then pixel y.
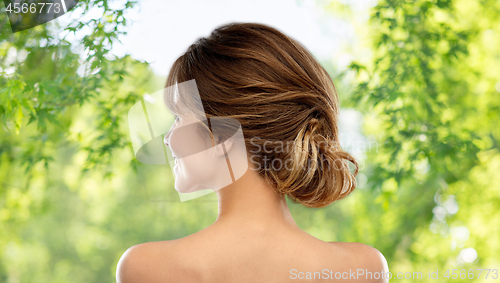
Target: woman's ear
{"type": "Point", "coordinates": [222, 148]}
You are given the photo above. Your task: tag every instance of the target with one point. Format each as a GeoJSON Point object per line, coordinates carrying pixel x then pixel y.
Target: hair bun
{"type": "Point", "coordinates": [320, 173]}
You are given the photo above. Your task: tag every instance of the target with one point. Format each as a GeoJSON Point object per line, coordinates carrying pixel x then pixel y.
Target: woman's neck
{"type": "Point", "coordinates": [251, 202]}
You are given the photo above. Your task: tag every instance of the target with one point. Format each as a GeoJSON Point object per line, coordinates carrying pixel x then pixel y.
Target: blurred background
{"type": "Point", "coordinates": [419, 85]}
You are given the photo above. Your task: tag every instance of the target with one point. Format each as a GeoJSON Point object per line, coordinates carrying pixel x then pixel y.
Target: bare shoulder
{"type": "Point", "coordinates": [367, 258]}
{"type": "Point", "coordinates": [372, 256]}
{"type": "Point", "coordinates": [161, 261]}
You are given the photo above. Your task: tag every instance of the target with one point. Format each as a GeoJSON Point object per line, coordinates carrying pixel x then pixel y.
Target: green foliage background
{"type": "Point", "coordinates": [73, 198]}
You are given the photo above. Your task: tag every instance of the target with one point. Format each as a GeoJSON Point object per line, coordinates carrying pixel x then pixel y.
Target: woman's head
{"type": "Point", "coordinates": [285, 101]}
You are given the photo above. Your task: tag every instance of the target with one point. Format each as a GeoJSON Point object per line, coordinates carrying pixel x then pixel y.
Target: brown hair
{"type": "Point", "coordinates": [278, 92]}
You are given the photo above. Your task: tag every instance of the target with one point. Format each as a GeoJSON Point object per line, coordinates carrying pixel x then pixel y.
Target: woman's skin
{"type": "Point", "coordinates": [254, 239]}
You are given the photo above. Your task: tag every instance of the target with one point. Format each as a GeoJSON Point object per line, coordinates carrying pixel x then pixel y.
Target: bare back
{"type": "Point", "coordinates": [280, 254]}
